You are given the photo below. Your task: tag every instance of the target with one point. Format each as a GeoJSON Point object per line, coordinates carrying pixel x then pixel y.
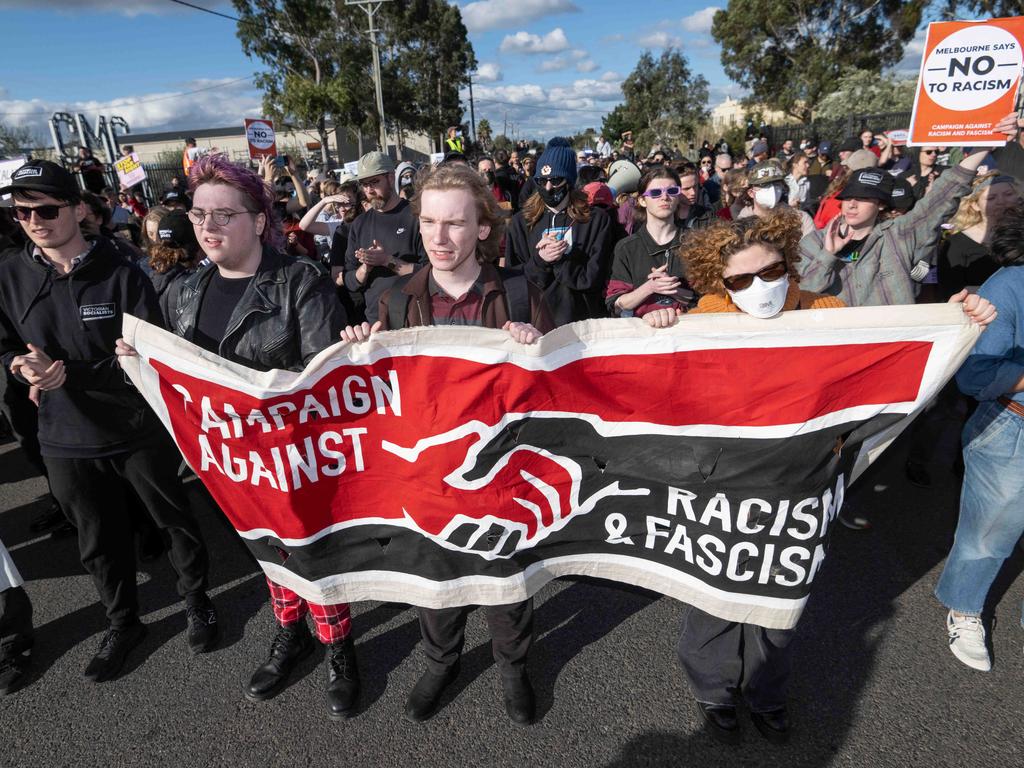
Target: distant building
{"type": "Point", "coordinates": [152, 147]}
{"type": "Point", "coordinates": [731, 113]}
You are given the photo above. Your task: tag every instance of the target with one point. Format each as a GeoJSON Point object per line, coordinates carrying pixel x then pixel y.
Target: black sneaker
{"type": "Point", "coordinates": [342, 678]}
{"type": "Point", "coordinates": [203, 630]}
{"type": "Point", "coordinates": [53, 520]}
{"type": "Point", "coordinates": [291, 644]}
{"type": "Point", "coordinates": [13, 669]}
{"type": "Point", "coordinates": [114, 649]}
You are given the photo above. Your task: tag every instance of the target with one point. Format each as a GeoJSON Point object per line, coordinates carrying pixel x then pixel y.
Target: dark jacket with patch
{"type": "Point", "coordinates": [76, 317]}
{"type": "Point", "coordinates": [573, 286]}
{"type": "Point", "coordinates": [288, 313]}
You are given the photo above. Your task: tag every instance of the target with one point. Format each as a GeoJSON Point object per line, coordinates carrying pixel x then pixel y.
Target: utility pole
{"type": "Point", "coordinates": [371, 7]}
{"type": "Point", "coordinates": [472, 112]}
{"type": "Point", "coordinates": [504, 128]}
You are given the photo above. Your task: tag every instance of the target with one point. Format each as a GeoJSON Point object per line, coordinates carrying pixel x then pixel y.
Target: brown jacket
{"type": "Point", "coordinates": [494, 311]}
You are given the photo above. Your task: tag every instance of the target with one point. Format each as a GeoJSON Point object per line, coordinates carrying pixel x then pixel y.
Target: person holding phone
{"type": "Point", "coordinates": [867, 260]}
{"type": "Point", "coordinates": [646, 275]}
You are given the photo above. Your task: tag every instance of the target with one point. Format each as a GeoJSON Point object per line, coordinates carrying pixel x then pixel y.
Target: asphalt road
{"type": "Point", "coordinates": [874, 684]}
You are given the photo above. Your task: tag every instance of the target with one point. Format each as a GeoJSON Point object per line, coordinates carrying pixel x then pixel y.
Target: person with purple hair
{"type": "Point", "coordinates": [256, 306]}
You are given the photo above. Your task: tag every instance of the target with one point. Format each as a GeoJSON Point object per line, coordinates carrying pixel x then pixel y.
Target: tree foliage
{"type": "Point", "coordinates": [865, 93]}
{"type": "Point", "coordinates": [664, 101]}
{"type": "Point", "coordinates": [319, 63]}
{"type": "Point", "coordinates": [981, 9]}
{"type": "Point", "coordinates": [484, 133]}
{"type": "Point", "coordinates": [791, 54]}
{"type": "Point", "coordinates": [14, 139]}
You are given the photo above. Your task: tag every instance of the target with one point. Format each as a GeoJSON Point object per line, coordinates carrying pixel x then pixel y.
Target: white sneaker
{"type": "Point", "coordinates": [967, 641]}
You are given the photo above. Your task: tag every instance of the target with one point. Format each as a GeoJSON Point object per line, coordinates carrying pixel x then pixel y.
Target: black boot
{"type": "Point", "coordinates": [342, 678]}
{"type": "Point", "coordinates": [774, 725]}
{"type": "Point", "coordinates": [720, 721]}
{"type": "Point", "coordinates": [520, 703]}
{"type": "Point", "coordinates": [291, 644]}
{"type": "Point", "coordinates": [201, 617]}
{"type": "Point", "coordinates": [115, 646]}
{"type": "Point", "coordinates": [426, 694]}
{"type": "Point", "coordinates": [16, 638]}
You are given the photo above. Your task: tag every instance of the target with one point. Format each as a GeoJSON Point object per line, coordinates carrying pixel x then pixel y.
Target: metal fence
{"type": "Point", "coordinates": [837, 130]}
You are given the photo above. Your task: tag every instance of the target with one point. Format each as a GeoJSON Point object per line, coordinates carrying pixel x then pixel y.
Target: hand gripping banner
{"type": "Point", "coordinates": [446, 466]}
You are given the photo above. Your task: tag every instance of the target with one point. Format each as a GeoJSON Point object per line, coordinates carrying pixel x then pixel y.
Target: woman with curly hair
{"type": "Point", "coordinates": [149, 225]}
{"type": "Point", "coordinates": [747, 266]}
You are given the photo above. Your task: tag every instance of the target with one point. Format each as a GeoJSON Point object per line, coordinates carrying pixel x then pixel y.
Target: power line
{"type": "Point", "coordinates": [206, 10]}
{"type": "Point", "coordinates": [143, 101]}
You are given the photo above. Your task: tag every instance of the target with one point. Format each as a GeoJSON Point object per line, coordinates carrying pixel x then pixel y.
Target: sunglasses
{"type": "Point", "coordinates": [769, 274]}
{"type": "Point", "coordinates": [554, 181]}
{"type": "Point", "coordinates": [929, 151]}
{"type": "Point", "coordinates": [48, 212]}
{"type": "Point", "coordinates": [654, 194]}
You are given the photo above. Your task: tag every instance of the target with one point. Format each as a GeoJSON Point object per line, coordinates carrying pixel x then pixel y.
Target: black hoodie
{"type": "Point", "coordinates": [76, 317]}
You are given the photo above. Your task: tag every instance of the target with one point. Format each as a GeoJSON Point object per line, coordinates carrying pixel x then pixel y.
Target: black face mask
{"type": "Point", "coordinates": [489, 176]}
{"type": "Point", "coordinates": [553, 197]}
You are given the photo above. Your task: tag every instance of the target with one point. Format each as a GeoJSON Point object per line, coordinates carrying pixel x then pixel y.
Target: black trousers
{"type": "Point", "coordinates": [725, 658]}
{"type": "Point", "coordinates": [16, 635]}
{"type": "Point", "coordinates": [97, 495]}
{"type": "Point", "coordinates": [444, 635]}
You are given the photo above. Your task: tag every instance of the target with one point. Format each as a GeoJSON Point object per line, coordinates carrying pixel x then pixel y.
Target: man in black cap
{"type": "Point", "coordinates": [384, 242]}
{"type": "Point", "coordinates": [848, 146]}
{"type": "Point", "coordinates": [61, 302]}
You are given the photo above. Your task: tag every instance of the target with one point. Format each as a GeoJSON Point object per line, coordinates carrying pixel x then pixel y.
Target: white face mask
{"type": "Point", "coordinates": [767, 196]}
{"type": "Point", "coordinates": [761, 299]}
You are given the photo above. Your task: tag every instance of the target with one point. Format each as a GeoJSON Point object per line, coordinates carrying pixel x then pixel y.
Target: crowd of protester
{"type": "Point", "coordinates": [268, 266]}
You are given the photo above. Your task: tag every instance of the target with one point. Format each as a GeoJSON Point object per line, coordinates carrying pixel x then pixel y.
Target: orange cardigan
{"type": "Point", "coordinates": [795, 299]}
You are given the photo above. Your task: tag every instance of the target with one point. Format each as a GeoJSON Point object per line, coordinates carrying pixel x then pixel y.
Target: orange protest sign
{"type": "Point", "coordinates": [970, 75]}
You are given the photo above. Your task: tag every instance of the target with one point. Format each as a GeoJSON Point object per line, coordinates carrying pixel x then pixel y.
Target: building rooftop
{"type": "Point", "coordinates": [198, 133]}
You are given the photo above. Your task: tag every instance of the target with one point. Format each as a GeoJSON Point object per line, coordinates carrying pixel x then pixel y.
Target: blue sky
{"type": "Point", "coordinates": [550, 66]}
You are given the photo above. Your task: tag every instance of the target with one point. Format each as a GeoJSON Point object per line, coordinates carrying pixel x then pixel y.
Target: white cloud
{"type": "Point", "coordinates": [912, 53]}
{"type": "Point", "coordinates": [227, 103]}
{"type": "Point", "coordinates": [556, 64]}
{"type": "Point", "coordinates": [578, 54]}
{"type": "Point", "coordinates": [587, 65]}
{"type": "Point", "coordinates": [610, 77]}
{"type": "Point", "coordinates": [700, 21]}
{"type": "Point", "coordinates": [484, 15]}
{"type": "Point", "coordinates": [488, 72]}
{"type": "Point", "coordinates": [660, 39]}
{"type": "Point", "coordinates": [554, 41]}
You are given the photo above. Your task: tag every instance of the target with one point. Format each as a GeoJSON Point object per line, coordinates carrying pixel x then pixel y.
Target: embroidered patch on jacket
{"type": "Point", "coordinates": [98, 311]}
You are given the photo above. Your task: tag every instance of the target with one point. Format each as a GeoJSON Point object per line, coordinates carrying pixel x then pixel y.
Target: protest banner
{"type": "Point", "coordinates": [446, 466]}
{"type": "Point", "coordinates": [7, 167]}
{"type": "Point", "coordinates": [970, 76]}
{"type": "Point", "coordinates": [261, 138]}
{"type": "Point", "coordinates": [130, 171]}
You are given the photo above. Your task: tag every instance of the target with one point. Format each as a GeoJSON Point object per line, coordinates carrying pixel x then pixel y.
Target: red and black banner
{"type": "Point", "coordinates": [447, 466]}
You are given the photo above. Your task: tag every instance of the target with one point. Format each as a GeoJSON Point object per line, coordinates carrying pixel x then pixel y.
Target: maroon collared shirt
{"type": "Point", "coordinates": [464, 310]}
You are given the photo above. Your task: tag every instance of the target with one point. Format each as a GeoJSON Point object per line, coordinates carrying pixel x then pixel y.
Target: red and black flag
{"type": "Point", "coordinates": [448, 466]}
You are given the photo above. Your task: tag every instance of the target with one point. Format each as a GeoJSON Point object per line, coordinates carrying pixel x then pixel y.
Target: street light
{"type": "Point", "coordinates": [371, 7]}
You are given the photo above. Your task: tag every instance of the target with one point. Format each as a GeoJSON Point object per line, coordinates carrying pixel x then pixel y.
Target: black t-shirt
{"type": "Point", "coordinates": [92, 174]}
{"type": "Point", "coordinates": [398, 233]}
{"type": "Point", "coordinates": [962, 263]}
{"type": "Point", "coordinates": [221, 297]}
{"type": "Point", "coordinates": [339, 246]}
{"type": "Point", "coordinates": [851, 251]}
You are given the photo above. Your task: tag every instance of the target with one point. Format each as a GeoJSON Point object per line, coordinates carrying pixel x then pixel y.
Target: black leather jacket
{"type": "Point", "coordinates": [288, 313]}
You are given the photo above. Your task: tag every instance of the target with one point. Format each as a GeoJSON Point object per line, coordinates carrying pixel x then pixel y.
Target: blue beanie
{"type": "Point", "coordinates": [558, 161]}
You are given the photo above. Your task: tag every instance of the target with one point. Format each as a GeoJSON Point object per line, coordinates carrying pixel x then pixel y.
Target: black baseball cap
{"type": "Point", "coordinates": [851, 144]}
{"type": "Point", "coordinates": [902, 195]}
{"type": "Point", "coordinates": [869, 184]}
{"type": "Point", "coordinates": [45, 177]}
{"type": "Point", "coordinates": [176, 231]}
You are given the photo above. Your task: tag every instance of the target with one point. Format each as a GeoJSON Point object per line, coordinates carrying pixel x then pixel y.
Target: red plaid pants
{"type": "Point", "coordinates": [332, 622]}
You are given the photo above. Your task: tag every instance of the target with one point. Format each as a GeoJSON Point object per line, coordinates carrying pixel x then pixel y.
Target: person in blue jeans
{"type": "Point", "coordinates": [992, 500]}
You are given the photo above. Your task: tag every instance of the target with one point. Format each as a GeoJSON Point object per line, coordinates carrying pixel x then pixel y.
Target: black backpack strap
{"type": "Point", "coordinates": [398, 304]}
{"type": "Point", "coordinates": [517, 295]}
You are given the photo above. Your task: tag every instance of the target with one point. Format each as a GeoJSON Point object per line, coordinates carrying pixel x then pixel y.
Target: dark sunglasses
{"type": "Point", "coordinates": [929, 151]}
{"type": "Point", "coordinates": [554, 181]}
{"type": "Point", "coordinates": [769, 274]}
{"type": "Point", "coordinates": [654, 194]}
{"type": "Point", "coordinates": [49, 212]}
